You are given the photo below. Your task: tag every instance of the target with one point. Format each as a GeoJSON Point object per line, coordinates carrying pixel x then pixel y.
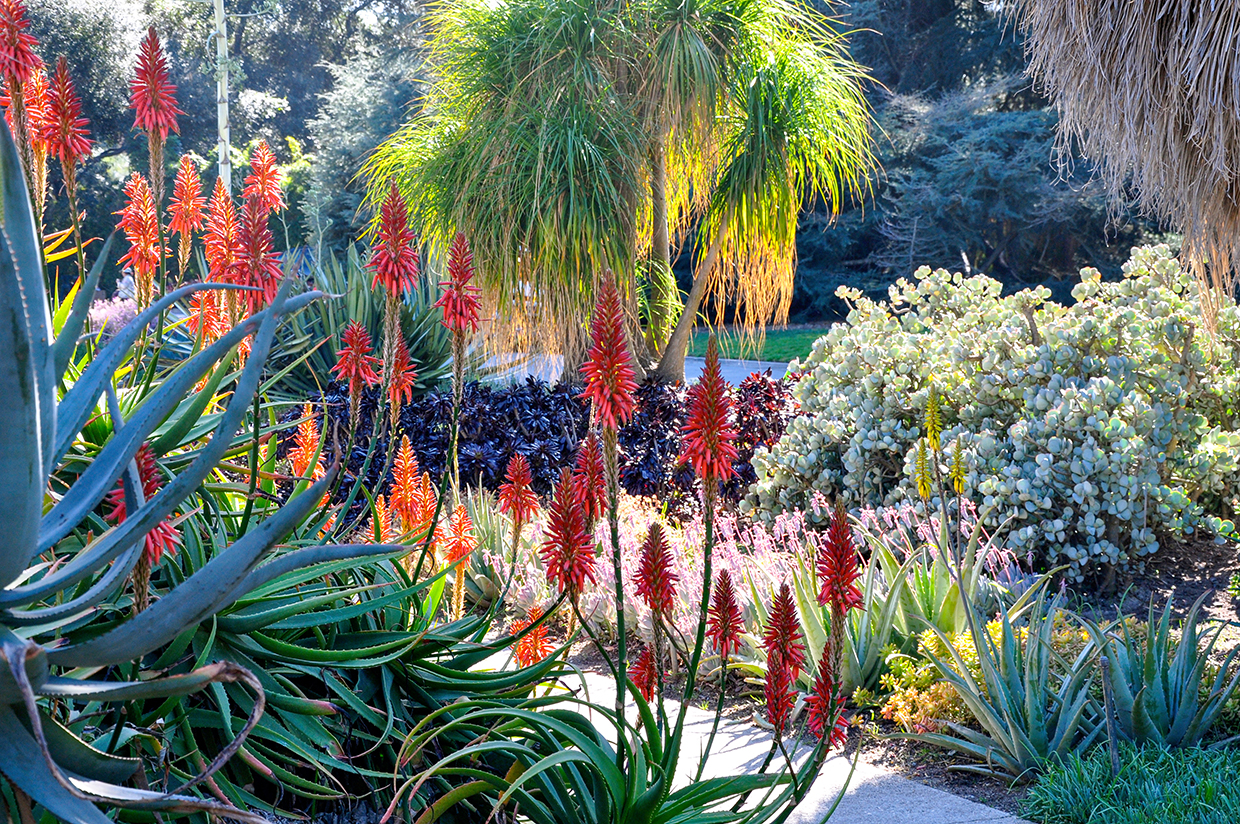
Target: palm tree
{"type": "Point", "coordinates": [1152, 91]}
{"type": "Point", "coordinates": [571, 137]}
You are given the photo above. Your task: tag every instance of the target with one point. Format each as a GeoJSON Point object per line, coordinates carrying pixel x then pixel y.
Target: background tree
{"type": "Point", "coordinates": [571, 137]}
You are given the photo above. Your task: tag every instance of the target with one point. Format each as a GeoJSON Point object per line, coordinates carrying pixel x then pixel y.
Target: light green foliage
{"type": "Point", "coordinates": [1153, 787]}
{"type": "Point", "coordinates": [1086, 429]}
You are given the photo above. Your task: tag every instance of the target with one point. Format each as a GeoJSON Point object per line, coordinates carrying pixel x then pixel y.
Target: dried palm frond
{"type": "Point", "coordinates": [1151, 89]}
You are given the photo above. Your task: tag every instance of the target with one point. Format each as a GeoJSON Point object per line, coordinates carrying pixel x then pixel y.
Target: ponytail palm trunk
{"type": "Point", "coordinates": [568, 137]}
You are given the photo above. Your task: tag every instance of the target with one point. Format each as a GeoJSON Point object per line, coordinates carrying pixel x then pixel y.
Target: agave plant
{"type": "Point", "coordinates": [62, 565]}
{"type": "Point", "coordinates": [1031, 703]}
{"type": "Point", "coordinates": [1157, 680]}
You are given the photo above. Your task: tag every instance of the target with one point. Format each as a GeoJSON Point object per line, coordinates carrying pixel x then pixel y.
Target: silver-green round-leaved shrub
{"type": "Point", "coordinates": [1087, 431]}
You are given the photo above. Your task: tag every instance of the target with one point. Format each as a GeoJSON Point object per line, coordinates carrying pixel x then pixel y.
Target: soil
{"type": "Point", "coordinates": [930, 766]}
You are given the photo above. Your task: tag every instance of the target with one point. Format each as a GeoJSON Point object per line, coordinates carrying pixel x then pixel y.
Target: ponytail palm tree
{"type": "Point", "coordinates": [570, 137]}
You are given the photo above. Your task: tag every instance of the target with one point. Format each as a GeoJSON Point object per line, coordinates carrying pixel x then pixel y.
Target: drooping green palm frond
{"type": "Point", "coordinates": [528, 150]}
{"type": "Point", "coordinates": [798, 132]}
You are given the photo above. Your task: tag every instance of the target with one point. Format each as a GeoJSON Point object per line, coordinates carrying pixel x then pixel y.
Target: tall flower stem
{"type": "Point", "coordinates": [714, 727]}
{"type": "Point", "coordinates": [610, 464]}
{"type": "Point", "coordinates": [458, 391]}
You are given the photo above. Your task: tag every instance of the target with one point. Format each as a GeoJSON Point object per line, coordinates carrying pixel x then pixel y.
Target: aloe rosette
{"type": "Point", "coordinates": [49, 586]}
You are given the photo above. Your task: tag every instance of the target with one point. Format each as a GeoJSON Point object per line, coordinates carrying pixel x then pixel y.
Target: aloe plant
{"type": "Point", "coordinates": [1157, 680]}
{"type": "Point", "coordinates": [56, 574]}
{"type": "Point", "coordinates": [1031, 703]}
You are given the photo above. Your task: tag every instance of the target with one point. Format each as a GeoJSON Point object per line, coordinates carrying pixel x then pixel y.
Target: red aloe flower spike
{"type": "Point", "coordinates": [838, 567]}
{"type": "Point", "coordinates": [516, 495]}
{"type": "Point", "coordinates": [708, 433]}
{"type": "Point", "coordinates": [724, 621]}
{"type": "Point", "coordinates": [163, 538]}
{"type": "Point", "coordinates": [354, 363]}
{"type": "Point", "coordinates": [400, 378]}
{"type": "Point", "coordinates": [151, 95]}
{"type": "Point", "coordinates": [782, 639]}
{"type": "Point", "coordinates": [141, 227]}
{"type": "Point", "coordinates": [535, 646]}
{"type": "Point", "coordinates": [644, 673]}
{"type": "Point", "coordinates": [64, 129]}
{"type": "Point", "coordinates": [406, 490]}
{"type": "Point", "coordinates": [608, 371]}
{"type": "Point", "coordinates": [460, 541]}
{"type": "Point", "coordinates": [257, 263]}
{"type": "Point", "coordinates": [206, 316]}
{"type": "Point", "coordinates": [185, 212]}
{"type": "Point", "coordinates": [460, 298]}
{"type": "Point", "coordinates": [220, 241]}
{"type": "Point", "coordinates": [264, 183]}
{"type": "Point", "coordinates": [568, 551]}
{"type": "Point", "coordinates": [305, 445]}
{"type": "Point", "coordinates": [17, 57]}
{"type": "Point", "coordinates": [825, 706]}
{"type": "Point", "coordinates": [35, 96]}
{"type": "Point", "coordinates": [656, 582]}
{"type": "Point", "coordinates": [382, 519]}
{"type": "Point", "coordinates": [426, 503]}
{"type": "Point", "coordinates": [780, 697]}
{"type": "Point", "coordinates": [589, 479]}
{"type": "Point", "coordinates": [395, 257]}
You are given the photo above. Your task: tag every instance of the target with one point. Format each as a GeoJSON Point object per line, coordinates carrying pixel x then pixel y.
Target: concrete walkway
{"type": "Point", "coordinates": [873, 794]}
{"type": "Point", "coordinates": [548, 368]}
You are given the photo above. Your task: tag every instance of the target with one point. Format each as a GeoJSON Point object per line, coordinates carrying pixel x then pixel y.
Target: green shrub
{"type": "Point", "coordinates": [1154, 786]}
{"type": "Point", "coordinates": [1087, 430]}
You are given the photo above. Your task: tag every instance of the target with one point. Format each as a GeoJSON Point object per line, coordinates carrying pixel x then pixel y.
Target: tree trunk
{"type": "Point", "coordinates": [672, 365]}
{"type": "Point", "coordinates": [664, 290]}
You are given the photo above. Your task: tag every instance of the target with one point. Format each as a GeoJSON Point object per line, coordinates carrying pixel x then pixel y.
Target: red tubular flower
{"type": "Point", "coordinates": [535, 646]}
{"type": "Point", "coordinates": [608, 370]}
{"type": "Point", "coordinates": [151, 96]}
{"type": "Point", "coordinates": [460, 541]}
{"type": "Point", "coordinates": [17, 57]}
{"type": "Point", "coordinates": [221, 241]}
{"type": "Point", "coordinates": [263, 184]}
{"type": "Point", "coordinates": [206, 315]}
{"type": "Point", "coordinates": [257, 264]}
{"type": "Point", "coordinates": [35, 96]}
{"type": "Point", "coordinates": [723, 618]}
{"type": "Point", "coordinates": [568, 551]}
{"type": "Point", "coordinates": [644, 674]}
{"type": "Point", "coordinates": [589, 483]}
{"type": "Point", "coordinates": [395, 257]}
{"type": "Point", "coordinates": [516, 495]}
{"type": "Point", "coordinates": [780, 697]}
{"type": "Point", "coordinates": [305, 445]}
{"type": "Point", "coordinates": [164, 536]}
{"type": "Point", "coordinates": [185, 214]}
{"type": "Point", "coordinates": [838, 568]}
{"type": "Point", "coordinates": [708, 433]}
{"type": "Point", "coordinates": [825, 706]}
{"type": "Point", "coordinates": [782, 639]}
{"type": "Point", "coordinates": [406, 491]}
{"type": "Point", "coordinates": [354, 363]}
{"type": "Point", "coordinates": [460, 298]}
{"type": "Point", "coordinates": [380, 529]}
{"type": "Point", "coordinates": [64, 130]}
{"type": "Point", "coordinates": [400, 377]}
{"type": "Point", "coordinates": [656, 582]}
{"type": "Point", "coordinates": [140, 224]}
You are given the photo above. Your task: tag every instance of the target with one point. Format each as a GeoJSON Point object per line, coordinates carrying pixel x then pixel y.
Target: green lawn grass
{"type": "Point", "coordinates": [780, 345]}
